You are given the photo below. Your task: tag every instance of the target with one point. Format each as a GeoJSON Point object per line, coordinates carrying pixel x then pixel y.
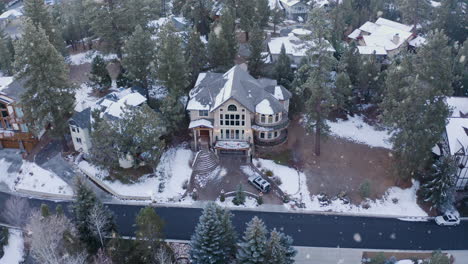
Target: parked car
{"type": "Point", "coordinates": [260, 183]}
{"type": "Point", "coordinates": [447, 220]}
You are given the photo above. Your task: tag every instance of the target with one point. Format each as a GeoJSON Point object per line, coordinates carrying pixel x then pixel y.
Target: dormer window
{"type": "Point", "coordinates": [232, 108]}
{"type": "Point", "coordinates": [203, 112]}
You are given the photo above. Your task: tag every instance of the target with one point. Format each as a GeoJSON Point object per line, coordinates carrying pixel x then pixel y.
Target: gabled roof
{"type": "Point", "coordinates": [279, 92]}
{"type": "Point", "coordinates": [82, 119]}
{"type": "Point", "coordinates": [385, 22]}
{"type": "Point", "coordinates": [214, 89]}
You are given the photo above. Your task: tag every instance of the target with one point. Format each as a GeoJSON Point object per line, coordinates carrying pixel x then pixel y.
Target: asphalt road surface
{"type": "Point", "coordinates": [314, 230]}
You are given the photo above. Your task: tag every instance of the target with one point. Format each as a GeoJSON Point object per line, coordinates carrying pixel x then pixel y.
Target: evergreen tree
{"type": "Point", "coordinates": [460, 82]}
{"type": "Point", "coordinates": [277, 17]}
{"type": "Point", "coordinates": [171, 68]}
{"type": "Point", "coordinates": [218, 53]}
{"type": "Point", "coordinates": [228, 33]}
{"type": "Point", "coordinates": [149, 234]}
{"type": "Point", "coordinates": [7, 53]}
{"type": "Point", "coordinates": [99, 78]}
{"type": "Point", "coordinates": [214, 238]}
{"type": "Point", "coordinates": [240, 196]}
{"type": "Point", "coordinates": [45, 212]}
{"type": "Point", "coordinates": [246, 11]}
{"type": "Point", "coordinates": [40, 17]}
{"type": "Point", "coordinates": [173, 113]}
{"type": "Point", "coordinates": [415, 12]}
{"type": "Point", "coordinates": [195, 55]}
{"type": "Point", "coordinates": [256, 59]}
{"type": "Point", "coordinates": [252, 249]}
{"type": "Point", "coordinates": [275, 252]}
{"type": "Point", "coordinates": [48, 98]}
{"type": "Point", "coordinates": [319, 100]}
{"type": "Point", "coordinates": [199, 12]}
{"type": "Point", "coordinates": [73, 23]}
{"type": "Point", "coordinates": [140, 13]}
{"type": "Point", "coordinates": [283, 71]}
{"type": "Point", "coordinates": [370, 80]}
{"type": "Point", "coordinates": [343, 92]}
{"type": "Point", "coordinates": [290, 252]}
{"type": "Point", "coordinates": [451, 17]}
{"type": "Point", "coordinates": [2, 7]}
{"type": "Point", "coordinates": [350, 62]}
{"type": "Point", "coordinates": [139, 53]}
{"type": "Point", "coordinates": [262, 9]}
{"type": "Point", "coordinates": [439, 258]}
{"type": "Point", "coordinates": [440, 189]}
{"type": "Point", "coordinates": [122, 79]}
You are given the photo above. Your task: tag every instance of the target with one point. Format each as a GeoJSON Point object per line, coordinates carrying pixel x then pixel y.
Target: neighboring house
{"type": "Point", "coordinates": [10, 21]}
{"type": "Point", "coordinates": [295, 45]}
{"type": "Point", "coordinates": [234, 112]}
{"type": "Point", "coordinates": [14, 133]}
{"type": "Point", "coordinates": [455, 139]}
{"type": "Point", "coordinates": [294, 9]}
{"type": "Point", "coordinates": [110, 107]}
{"type": "Point", "coordinates": [180, 23]}
{"type": "Point", "coordinates": [385, 37]}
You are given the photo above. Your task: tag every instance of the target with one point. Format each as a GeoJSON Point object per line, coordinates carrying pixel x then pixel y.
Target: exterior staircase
{"type": "Point", "coordinates": [205, 162]}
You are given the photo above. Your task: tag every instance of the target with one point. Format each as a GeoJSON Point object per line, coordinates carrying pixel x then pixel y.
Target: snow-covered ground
{"type": "Point", "coordinates": [357, 130]}
{"type": "Point", "coordinates": [14, 250]}
{"type": "Point", "coordinates": [249, 202]}
{"type": "Point", "coordinates": [83, 97]}
{"type": "Point", "coordinates": [87, 57]}
{"type": "Point", "coordinates": [173, 170]}
{"type": "Point", "coordinates": [395, 202]}
{"type": "Point", "coordinates": [33, 178]}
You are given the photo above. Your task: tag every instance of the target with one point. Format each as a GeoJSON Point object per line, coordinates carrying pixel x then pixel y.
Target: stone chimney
{"type": "Point", "coordinates": [396, 39]}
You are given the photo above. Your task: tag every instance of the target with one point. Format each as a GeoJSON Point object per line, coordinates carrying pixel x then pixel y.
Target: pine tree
{"type": "Point", "coordinates": [7, 53]}
{"type": "Point", "coordinates": [287, 243]}
{"type": "Point", "coordinates": [350, 62]}
{"type": "Point", "coordinates": [214, 238]}
{"type": "Point", "coordinates": [48, 98]}
{"type": "Point", "coordinates": [149, 233]}
{"type": "Point", "coordinates": [99, 78]}
{"type": "Point", "coordinates": [199, 12]}
{"type": "Point", "coordinates": [139, 13]}
{"type": "Point", "coordinates": [228, 33]}
{"type": "Point", "coordinates": [2, 7]}
{"type": "Point", "coordinates": [218, 53]}
{"type": "Point", "coordinates": [246, 11]}
{"type": "Point", "coordinates": [256, 59]}
{"type": "Point", "coordinates": [39, 15]}
{"type": "Point", "coordinates": [275, 252]}
{"type": "Point", "coordinates": [451, 17]}
{"type": "Point", "coordinates": [319, 99]}
{"type": "Point", "coordinates": [277, 17]}
{"type": "Point", "coordinates": [252, 249]}
{"type": "Point", "coordinates": [440, 189]}
{"type": "Point", "coordinates": [195, 55]}
{"type": "Point", "coordinates": [460, 71]}
{"type": "Point", "coordinates": [343, 92]}
{"type": "Point", "coordinates": [173, 113]}
{"type": "Point", "coordinates": [73, 23]}
{"type": "Point", "coordinates": [414, 12]}
{"type": "Point", "coordinates": [283, 71]}
{"type": "Point", "coordinates": [171, 68]}
{"type": "Point", "coordinates": [139, 53]}
{"type": "Point", "coordinates": [370, 80]}
{"type": "Point", "coordinates": [240, 196]}
{"type": "Point", "coordinates": [262, 9]}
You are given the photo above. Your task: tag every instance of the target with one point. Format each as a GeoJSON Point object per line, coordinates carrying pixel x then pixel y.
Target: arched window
{"type": "Point", "coordinates": [232, 108]}
{"type": "Point", "coordinates": [262, 119]}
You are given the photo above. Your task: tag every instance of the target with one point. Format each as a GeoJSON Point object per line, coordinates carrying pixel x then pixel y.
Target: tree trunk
{"type": "Point", "coordinates": [317, 138]}
{"type": "Point", "coordinates": [246, 36]}
{"type": "Point", "coordinates": [64, 144]}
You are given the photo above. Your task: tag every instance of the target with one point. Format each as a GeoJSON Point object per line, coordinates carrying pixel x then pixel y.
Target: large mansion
{"type": "Point", "coordinates": [233, 112]}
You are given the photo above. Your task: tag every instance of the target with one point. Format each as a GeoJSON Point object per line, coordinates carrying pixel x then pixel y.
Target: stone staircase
{"type": "Point", "coordinates": [206, 161]}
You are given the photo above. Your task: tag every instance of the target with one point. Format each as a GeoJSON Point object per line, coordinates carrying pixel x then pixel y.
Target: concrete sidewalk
{"type": "Point", "coordinates": [315, 255]}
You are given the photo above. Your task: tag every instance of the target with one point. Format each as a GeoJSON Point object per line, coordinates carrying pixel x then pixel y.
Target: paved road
{"type": "Point", "coordinates": [313, 230]}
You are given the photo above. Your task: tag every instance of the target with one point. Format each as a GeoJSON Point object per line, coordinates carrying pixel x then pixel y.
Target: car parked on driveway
{"type": "Point", "coordinates": [447, 220]}
{"type": "Point", "coordinates": [260, 183]}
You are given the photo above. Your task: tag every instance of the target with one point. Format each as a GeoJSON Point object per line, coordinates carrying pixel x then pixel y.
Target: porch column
{"type": "Point", "coordinates": [195, 138]}
{"type": "Point", "coordinates": [211, 137]}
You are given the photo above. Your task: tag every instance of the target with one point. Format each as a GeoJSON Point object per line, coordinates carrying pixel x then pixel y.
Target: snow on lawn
{"type": "Point", "coordinates": [217, 174]}
{"type": "Point", "coordinates": [33, 178]}
{"type": "Point", "coordinates": [249, 202]}
{"type": "Point", "coordinates": [357, 130]}
{"type": "Point", "coordinates": [395, 202]}
{"type": "Point", "coordinates": [14, 250]}
{"type": "Point", "coordinates": [173, 170]}
{"type": "Point", "coordinates": [83, 97]}
{"type": "Point", "coordinates": [87, 57]}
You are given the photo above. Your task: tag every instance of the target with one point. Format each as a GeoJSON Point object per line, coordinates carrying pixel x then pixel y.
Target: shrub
{"type": "Point", "coordinates": [260, 200]}
{"type": "Point", "coordinates": [222, 197]}
{"type": "Point", "coordinates": [378, 259]}
{"type": "Point", "coordinates": [161, 187]}
{"type": "Point", "coordinates": [240, 196]}
{"type": "Point", "coordinates": [365, 189]}
{"type": "Point", "coordinates": [194, 195]}
{"type": "Point", "coordinates": [185, 185]}
{"type": "Point", "coordinates": [268, 173]}
{"type": "Point", "coordinates": [286, 198]}
{"type": "Point", "coordinates": [277, 180]}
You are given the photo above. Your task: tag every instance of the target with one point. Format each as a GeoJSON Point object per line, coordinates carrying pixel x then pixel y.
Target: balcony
{"type": "Point", "coordinates": [283, 123]}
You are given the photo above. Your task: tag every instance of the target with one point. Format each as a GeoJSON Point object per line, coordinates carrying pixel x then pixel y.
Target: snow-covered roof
{"type": "Point", "coordinates": [293, 45]}
{"type": "Point", "coordinates": [435, 4]}
{"type": "Point", "coordinates": [369, 27]}
{"type": "Point", "coordinates": [132, 99]}
{"type": "Point", "coordinates": [457, 134]}
{"type": "Point", "coordinates": [214, 89]}
{"type": "Point", "coordinates": [180, 23]}
{"type": "Point", "coordinates": [417, 42]}
{"type": "Point", "coordinates": [12, 13]}
{"type": "Point", "coordinates": [264, 108]}
{"type": "Point", "coordinates": [385, 22]}
{"type": "Point", "coordinates": [459, 106]}
{"type": "Point", "coordinates": [279, 92]}
{"type": "Point", "coordinates": [290, 2]}
{"type": "Point", "coordinates": [201, 123]}
{"type": "Point", "coordinates": [367, 50]}
{"type": "Point", "coordinates": [355, 34]}
{"type": "Point", "coordinates": [224, 144]}
{"type": "Point", "coordinates": [5, 82]}
{"type": "Point", "coordinates": [301, 32]}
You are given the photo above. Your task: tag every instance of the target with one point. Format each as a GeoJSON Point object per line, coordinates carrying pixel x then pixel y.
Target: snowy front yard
{"type": "Point", "coordinates": [14, 250]}
{"type": "Point", "coordinates": [32, 177]}
{"type": "Point", "coordinates": [87, 57]}
{"type": "Point", "coordinates": [172, 172]}
{"type": "Point", "coordinates": [395, 202]}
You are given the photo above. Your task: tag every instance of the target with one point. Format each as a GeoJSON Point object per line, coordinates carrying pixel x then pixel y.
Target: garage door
{"type": "Point", "coordinates": [225, 152]}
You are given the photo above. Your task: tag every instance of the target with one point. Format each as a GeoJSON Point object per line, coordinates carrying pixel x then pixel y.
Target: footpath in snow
{"type": "Point", "coordinates": [14, 250]}
{"type": "Point", "coordinates": [395, 202]}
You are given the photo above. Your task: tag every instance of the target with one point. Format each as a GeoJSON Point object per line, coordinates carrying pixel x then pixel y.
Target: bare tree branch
{"type": "Point", "coordinates": [99, 221]}
{"type": "Point", "coordinates": [16, 211]}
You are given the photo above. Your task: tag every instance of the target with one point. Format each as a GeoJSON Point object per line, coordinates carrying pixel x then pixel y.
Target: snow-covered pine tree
{"type": "Point", "coordinates": [317, 88]}
{"type": "Point", "coordinates": [440, 187]}
{"type": "Point", "coordinates": [49, 96]}
{"type": "Point", "coordinates": [275, 252]}
{"type": "Point", "coordinates": [199, 12]}
{"type": "Point", "coordinates": [171, 68]}
{"type": "Point", "coordinates": [39, 15]}
{"type": "Point", "coordinates": [460, 71]}
{"type": "Point", "coordinates": [290, 251]}
{"type": "Point", "coordinates": [99, 78]}
{"type": "Point", "coordinates": [208, 245]}
{"type": "Point", "coordinates": [263, 13]}
{"type": "Point", "coordinates": [228, 33]}
{"type": "Point", "coordinates": [218, 53]}
{"type": "Point", "coordinates": [256, 59]}
{"type": "Point", "coordinates": [173, 113]}
{"type": "Point", "coordinates": [252, 249]}
{"type": "Point", "coordinates": [414, 12]}
{"type": "Point", "coordinates": [451, 17]}
{"type": "Point", "coordinates": [343, 92]}
{"type": "Point", "coordinates": [283, 71]}
{"type": "Point", "coordinates": [239, 198]}
{"type": "Point", "coordinates": [370, 80]}
{"type": "Point", "coordinates": [7, 53]}
{"type": "Point", "coordinates": [139, 52]}
{"type": "Point", "coordinates": [229, 234]}
{"type": "Point", "coordinates": [104, 138]}
{"type": "Point", "coordinates": [195, 55]}
{"type": "Point", "coordinates": [149, 233]}
{"type": "Point", "coordinates": [277, 17]}
{"type": "Point", "coordinates": [139, 13]}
